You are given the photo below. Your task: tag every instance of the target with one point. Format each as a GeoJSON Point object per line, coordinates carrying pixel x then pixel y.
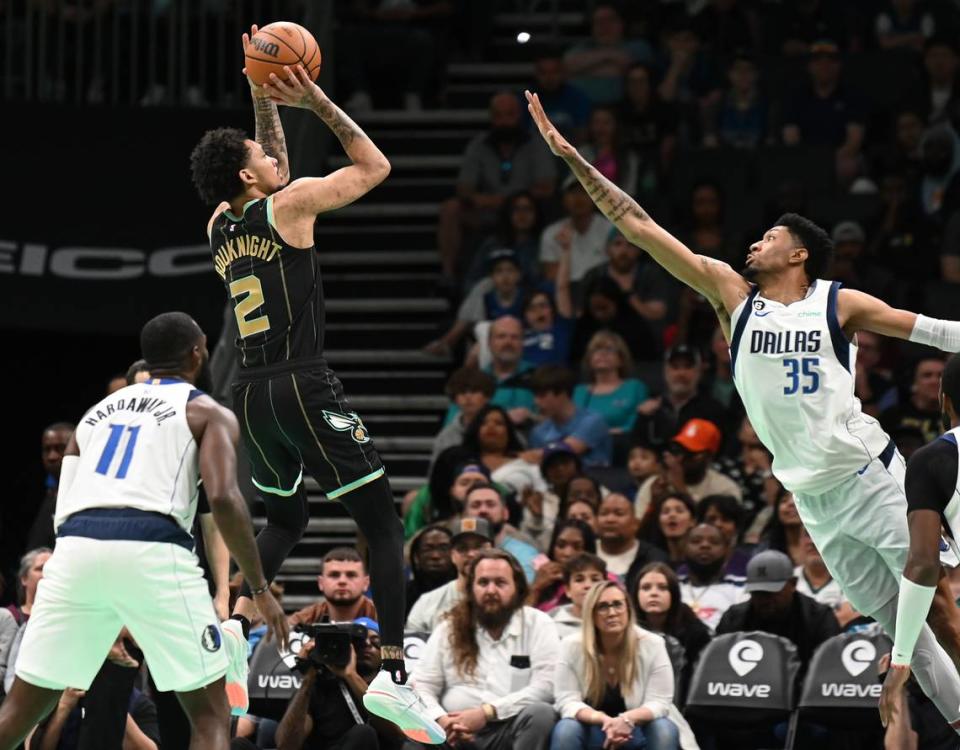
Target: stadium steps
{"type": "Point", "coordinates": [380, 270]}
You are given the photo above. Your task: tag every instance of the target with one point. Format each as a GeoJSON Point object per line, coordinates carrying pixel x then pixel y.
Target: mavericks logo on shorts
{"type": "Point", "coordinates": [348, 422]}
{"type": "Point", "coordinates": [210, 639]}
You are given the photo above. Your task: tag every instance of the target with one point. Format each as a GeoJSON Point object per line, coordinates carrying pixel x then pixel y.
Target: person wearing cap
{"type": "Point", "coordinates": [688, 461]}
{"type": "Point", "coordinates": [501, 293]}
{"type": "Point", "coordinates": [470, 536]}
{"type": "Point", "coordinates": [776, 607]}
{"type": "Point", "coordinates": [584, 431]}
{"type": "Point", "coordinates": [849, 265]}
{"type": "Point", "coordinates": [824, 113]}
{"type": "Point", "coordinates": [327, 710]}
{"type": "Point", "coordinates": [582, 228]}
{"type": "Point", "coordinates": [661, 418]}
{"type": "Point", "coordinates": [431, 564]}
{"type": "Point", "coordinates": [450, 485]}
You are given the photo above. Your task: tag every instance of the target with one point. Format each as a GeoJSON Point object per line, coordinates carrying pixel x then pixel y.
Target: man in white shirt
{"type": "Point", "coordinates": [585, 229]}
{"type": "Point", "coordinates": [705, 588]}
{"type": "Point", "coordinates": [486, 674]}
{"type": "Point", "coordinates": [470, 537]}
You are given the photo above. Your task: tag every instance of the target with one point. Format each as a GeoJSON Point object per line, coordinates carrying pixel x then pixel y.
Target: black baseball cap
{"type": "Point", "coordinates": [685, 352]}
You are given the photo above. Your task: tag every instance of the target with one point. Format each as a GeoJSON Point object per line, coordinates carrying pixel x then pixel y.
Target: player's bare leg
{"type": "Point", "coordinates": [24, 707]}
{"type": "Point", "coordinates": [944, 620]}
{"type": "Point", "coordinates": [209, 715]}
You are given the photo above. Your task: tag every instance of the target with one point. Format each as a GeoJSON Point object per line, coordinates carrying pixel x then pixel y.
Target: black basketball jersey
{"type": "Point", "coordinates": [275, 288]}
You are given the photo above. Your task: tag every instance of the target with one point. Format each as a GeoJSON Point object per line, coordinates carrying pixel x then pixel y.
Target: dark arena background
{"type": "Point", "coordinates": [489, 324]}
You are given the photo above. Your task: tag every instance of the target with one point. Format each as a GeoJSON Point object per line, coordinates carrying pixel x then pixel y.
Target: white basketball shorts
{"type": "Point", "coordinates": [91, 588]}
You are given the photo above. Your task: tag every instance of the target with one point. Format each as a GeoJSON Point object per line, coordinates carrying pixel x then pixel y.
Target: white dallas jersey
{"type": "Point", "coordinates": [951, 511]}
{"type": "Point", "coordinates": [795, 369]}
{"type": "Point", "coordinates": [137, 451]}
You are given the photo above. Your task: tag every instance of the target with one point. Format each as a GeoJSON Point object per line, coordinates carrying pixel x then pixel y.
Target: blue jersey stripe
{"type": "Point", "coordinates": [740, 327]}
{"type": "Point", "coordinates": [841, 344]}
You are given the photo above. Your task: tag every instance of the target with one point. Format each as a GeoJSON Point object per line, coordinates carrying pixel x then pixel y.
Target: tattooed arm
{"type": "Point", "coordinates": [269, 133]}
{"type": "Point", "coordinates": [716, 281]}
{"type": "Point", "coordinates": [314, 195]}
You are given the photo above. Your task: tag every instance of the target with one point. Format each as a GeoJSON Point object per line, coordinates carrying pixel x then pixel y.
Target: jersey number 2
{"type": "Point", "coordinates": [110, 449]}
{"type": "Point", "coordinates": [802, 368]}
{"type": "Point", "coordinates": [250, 286]}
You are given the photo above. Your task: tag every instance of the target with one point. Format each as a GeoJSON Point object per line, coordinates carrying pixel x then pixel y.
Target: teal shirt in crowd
{"type": "Point", "coordinates": [618, 408]}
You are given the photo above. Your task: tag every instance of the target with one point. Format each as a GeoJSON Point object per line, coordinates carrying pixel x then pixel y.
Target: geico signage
{"type": "Point", "coordinates": [278, 681]}
{"type": "Point", "coordinates": [102, 263]}
{"type": "Point", "coordinates": [849, 690]}
{"type": "Point", "coordinates": [738, 690]}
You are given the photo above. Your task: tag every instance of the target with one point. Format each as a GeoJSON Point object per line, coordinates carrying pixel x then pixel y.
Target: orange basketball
{"type": "Point", "coordinates": [278, 44]}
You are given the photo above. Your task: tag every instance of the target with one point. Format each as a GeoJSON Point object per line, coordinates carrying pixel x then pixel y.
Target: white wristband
{"type": "Point", "coordinates": [941, 334]}
{"type": "Point", "coordinates": [912, 607]}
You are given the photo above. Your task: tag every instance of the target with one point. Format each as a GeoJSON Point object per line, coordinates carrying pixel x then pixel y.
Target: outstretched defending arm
{"type": "Point", "coordinates": [314, 195]}
{"type": "Point", "coordinates": [861, 312]}
{"type": "Point", "coordinates": [716, 281]}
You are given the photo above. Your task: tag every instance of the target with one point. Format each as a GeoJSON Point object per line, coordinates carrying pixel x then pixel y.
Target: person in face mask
{"type": "Point", "coordinates": [705, 588]}
{"type": "Point", "coordinates": [776, 607]}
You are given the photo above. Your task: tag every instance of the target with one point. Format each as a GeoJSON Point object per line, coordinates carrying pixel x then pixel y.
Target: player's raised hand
{"type": "Point", "coordinates": [296, 90]}
{"type": "Point", "coordinates": [255, 89]}
{"type": "Point", "coordinates": [557, 143]}
{"type": "Point", "coordinates": [273, 617]}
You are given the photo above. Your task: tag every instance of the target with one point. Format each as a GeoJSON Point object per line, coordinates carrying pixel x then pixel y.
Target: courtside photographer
{"type": "Point", "coordinates": [338, 662]}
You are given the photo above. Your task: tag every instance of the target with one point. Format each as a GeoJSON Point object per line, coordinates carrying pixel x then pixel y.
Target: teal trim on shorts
{"type": "Point", "coordinates": [275, 491]}
{"type": "Point", "coordinates": [354, 485]}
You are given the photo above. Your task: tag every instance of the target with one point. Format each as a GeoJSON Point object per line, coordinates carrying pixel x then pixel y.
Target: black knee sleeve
{"type": "Point", "coordinates": [373, 509]}
{"type": "Point", "coordinates": [286, 521]}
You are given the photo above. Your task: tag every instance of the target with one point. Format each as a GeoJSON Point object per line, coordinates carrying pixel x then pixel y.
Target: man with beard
{"type": "Point", "coordinates": [485, 501]}
{"type": "Point", "coordinates": [497, 163]}
{"type": "Point", "coordinates": [689, 459]}
{"type": "Point", "coordinates": [486, 673]}
{"type": "Point", "coordinates": [327, 712]}
{"type": "Point", "coordinates": [343, 579]}
{"type": "Point", "coordinates": [471, 536]}
{"type": "Point", "coordinates": [431, 564]}
{"type": "Point", "coordinates": [705, 588]}
{"type": "Point", "coordinates": [776, 607]}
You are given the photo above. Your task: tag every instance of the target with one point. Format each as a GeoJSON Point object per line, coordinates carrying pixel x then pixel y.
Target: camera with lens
{"type": "Point", "coordinates": [332, 642]}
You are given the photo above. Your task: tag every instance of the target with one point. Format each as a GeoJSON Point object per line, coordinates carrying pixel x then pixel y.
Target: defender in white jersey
{"type": "Point", "coordinates": [126, 502]}
{"type": "Point", "coordinates": [792, 342]}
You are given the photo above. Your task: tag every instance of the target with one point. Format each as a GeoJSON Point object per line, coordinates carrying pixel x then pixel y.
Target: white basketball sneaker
{"type": "Point", "coordinates": [401, 705]}
{"type": "Point", "coordinates": [238, 670]}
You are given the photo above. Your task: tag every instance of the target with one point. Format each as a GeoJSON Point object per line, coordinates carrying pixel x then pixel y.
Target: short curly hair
{"type": "Point", "coordinates": [215, 164]}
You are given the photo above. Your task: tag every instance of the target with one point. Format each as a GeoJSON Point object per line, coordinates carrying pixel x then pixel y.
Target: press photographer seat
{"type": "Point", "coordinates": [841, 690]}
{"type": "Point", "coordinates": [744, 680]}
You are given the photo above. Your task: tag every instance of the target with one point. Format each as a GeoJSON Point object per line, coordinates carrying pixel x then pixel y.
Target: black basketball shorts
{"type": "Point", "coordinates": [294, 417]}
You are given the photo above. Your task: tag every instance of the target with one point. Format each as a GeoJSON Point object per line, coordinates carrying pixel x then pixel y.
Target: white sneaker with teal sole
{"type": "Point", "coordinates": [238, 670]}
{"type": "Point", "coordinates": [401, 705]}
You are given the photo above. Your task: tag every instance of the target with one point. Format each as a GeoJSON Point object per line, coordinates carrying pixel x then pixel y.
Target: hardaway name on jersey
{"type": "Point", "coordinates": [137, 451]}
{"type": "Point", "coordinates": [795, 370]}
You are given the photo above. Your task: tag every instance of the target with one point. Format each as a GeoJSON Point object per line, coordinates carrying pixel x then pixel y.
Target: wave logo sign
{"type": "Point", "coordinates": [744, 656]}
{"type": "Point", "coordinates": [857, 656]}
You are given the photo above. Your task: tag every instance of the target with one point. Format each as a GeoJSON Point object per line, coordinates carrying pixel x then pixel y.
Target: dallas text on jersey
{"type": "Point", "coordinates": [784, 342]}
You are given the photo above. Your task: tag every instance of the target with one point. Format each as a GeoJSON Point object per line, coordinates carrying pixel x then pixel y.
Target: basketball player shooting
{"type": "Point", "coordinates": [291, 406]}
{"type": "Point", "coordinates": [125, 506]}
{"type": "Point", "coordinates": [792, 339]}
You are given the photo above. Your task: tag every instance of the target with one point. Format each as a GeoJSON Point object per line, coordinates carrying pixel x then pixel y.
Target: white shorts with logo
{"type": "Point", "coordinates": [860, 528]}
{"type": "Point", "coordinates": [91, 588]}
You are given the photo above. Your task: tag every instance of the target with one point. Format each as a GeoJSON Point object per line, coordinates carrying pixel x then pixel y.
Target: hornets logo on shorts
{"type": "Point", "coordinates": [347, 422]}
{"type": "Point", "coordinates": [210, 639]}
